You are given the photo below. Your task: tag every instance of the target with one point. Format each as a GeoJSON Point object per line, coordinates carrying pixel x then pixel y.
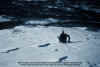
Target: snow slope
{"type": "Point", "coordinates": [85, 45]}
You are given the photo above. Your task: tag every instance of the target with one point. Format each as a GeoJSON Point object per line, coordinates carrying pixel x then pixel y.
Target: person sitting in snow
{"type": "Point", "coordinates": [64, 37]}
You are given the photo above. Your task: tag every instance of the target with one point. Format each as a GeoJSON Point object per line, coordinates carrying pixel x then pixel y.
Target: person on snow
{"type": "Point", "coordinates": [64, 37]}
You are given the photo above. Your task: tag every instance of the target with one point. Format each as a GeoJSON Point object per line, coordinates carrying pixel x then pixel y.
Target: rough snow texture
{"type": "Point", "coordinates": [42, 22]}
{"type": "Point", "coordinates": [85, 46]}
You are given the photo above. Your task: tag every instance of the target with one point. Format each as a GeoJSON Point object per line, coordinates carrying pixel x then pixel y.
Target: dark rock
{"type": "Point", "coordinates": [62, 58]}
{"type": "Point", "coordinates": [10, 24]}
{"type": "Point", "coordinates": [84, 11]}
{"type": "Point", "coordinates": [45, 45]}
{"type": "Point", "coordinates": [56, 49]}
{"type": "Point", "coordinates": [10, 50]}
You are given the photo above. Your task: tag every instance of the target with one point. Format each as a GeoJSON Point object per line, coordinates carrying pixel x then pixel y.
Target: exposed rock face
{"type": "Point", "coordinates": [84, 11]}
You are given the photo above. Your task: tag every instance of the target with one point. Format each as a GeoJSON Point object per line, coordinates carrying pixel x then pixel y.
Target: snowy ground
{"type": "Point", "coordinates": [85, 45]}
{"type": "Point", "coordinates": [2, 19]}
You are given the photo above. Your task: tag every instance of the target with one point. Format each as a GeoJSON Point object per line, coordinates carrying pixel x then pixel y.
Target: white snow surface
{"type": "Point", "coordinates": [42, 22]}
{"type": "Point", "coordinates": [85, 47]}
{"type": "Point", "coordinates": [2, 19]}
